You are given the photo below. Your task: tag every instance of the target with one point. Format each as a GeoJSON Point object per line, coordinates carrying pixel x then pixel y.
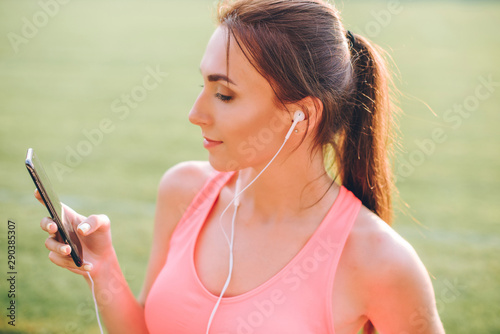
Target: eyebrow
{"type": "Point", "coordinates": [220, 77]}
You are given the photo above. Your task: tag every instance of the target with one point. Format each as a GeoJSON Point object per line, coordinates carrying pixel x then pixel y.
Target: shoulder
{"type": "Point", "coordinates": [394, 280]}
{"type": "Point", "coordinates": [378, 255]}
{"type": "Point", "coordinates": [187, 173]}
{"type": "Point", "coordinates": [379, 249]}
{"type": "Point", "coordinates": [177, 189]}
{"type": "Point", "coordinates": [183, 181]}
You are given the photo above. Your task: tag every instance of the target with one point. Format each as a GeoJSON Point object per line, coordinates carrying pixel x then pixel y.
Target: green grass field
{"type": "Point", "coordinates": [65, 75]}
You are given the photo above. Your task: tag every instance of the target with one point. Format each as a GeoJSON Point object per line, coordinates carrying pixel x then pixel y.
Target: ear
{"type": "Point", "coordinates": [313, 109]}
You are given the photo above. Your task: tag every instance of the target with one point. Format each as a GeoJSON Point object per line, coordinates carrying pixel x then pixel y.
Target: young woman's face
{"type": "Point", "coordinates": [239, 120]}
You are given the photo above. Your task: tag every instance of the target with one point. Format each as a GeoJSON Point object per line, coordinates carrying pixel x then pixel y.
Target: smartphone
{"type": "Point", "coordinates": [65, 229]}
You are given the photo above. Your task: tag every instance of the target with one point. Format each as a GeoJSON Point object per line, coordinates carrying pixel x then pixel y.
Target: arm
{"type": "Point", "coordinates": [400, 294]}
{"type": "Point", "coordinates": [120, 310]}
{"type": "Point", "coordinates": [114, 297]}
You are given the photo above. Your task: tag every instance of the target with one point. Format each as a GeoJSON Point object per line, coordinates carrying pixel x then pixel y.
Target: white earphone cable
{"type": "Point", "coordinates": [95, 302]}
{"type": "Point", "coordinates": [230, 240]}
{"type": "Point", "coordinates": [237, 194]}
{"type": "Point", "coordinates": [231, 262]}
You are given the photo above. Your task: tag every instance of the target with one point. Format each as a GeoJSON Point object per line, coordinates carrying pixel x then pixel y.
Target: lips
{"type": "Point", "coordinates": [209, 143]}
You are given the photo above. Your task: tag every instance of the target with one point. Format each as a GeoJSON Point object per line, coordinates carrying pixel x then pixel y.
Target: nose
{"type": "Point", "coordinates": [199, 114]}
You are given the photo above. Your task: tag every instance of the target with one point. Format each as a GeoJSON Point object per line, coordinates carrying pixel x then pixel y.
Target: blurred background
{"type": "Point", "coordinates": [102, 89]}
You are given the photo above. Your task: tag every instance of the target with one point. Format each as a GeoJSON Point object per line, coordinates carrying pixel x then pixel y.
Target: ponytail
{"type": "Point", "coordinates": [364, 166]}
{"type": "Point", "coordinates": [312, 59]}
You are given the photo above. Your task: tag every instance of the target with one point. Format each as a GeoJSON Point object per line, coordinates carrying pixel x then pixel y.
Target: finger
{"type": "Point", "coordinates": [87, 266]}
{"type": "Point", "coordinates": [62, 260]}
{"type": "Point", "coordinates": [69, 215]}
{"type": "Point", "coordinates": [67, 262]}
{"type": "Point", "coordinates": [93, 223]}
{"type": "Point", "coordinates": [48, 225]}
{"type": "Point", "coordinates": [39, 197]}
{"type": "Point", "coordinates": [58, 247]}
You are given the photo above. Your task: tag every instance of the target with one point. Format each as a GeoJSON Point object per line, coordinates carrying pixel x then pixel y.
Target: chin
{"type": "Point", "coordinates": [224, 165]}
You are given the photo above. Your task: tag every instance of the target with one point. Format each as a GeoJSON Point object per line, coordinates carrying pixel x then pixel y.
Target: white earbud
{"type": "Point", "coordinates": [297, 117]}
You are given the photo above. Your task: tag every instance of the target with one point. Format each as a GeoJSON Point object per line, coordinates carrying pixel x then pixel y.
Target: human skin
{"type": "Point", "coordinates": [379, 278]}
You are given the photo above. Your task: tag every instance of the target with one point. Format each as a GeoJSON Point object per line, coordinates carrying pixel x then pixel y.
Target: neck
{"type": "Point", "coordinates": [293, 184]}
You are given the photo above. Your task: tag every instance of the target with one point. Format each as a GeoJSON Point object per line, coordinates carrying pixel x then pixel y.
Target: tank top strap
{"type": "Point", "coordinates": [336, 233]}
{"type": "Point", "coordinates": [307, 281]}
{"type": "Point", "coordinates": [338, 223]}
{"type": "Point", "coordinates": [203, 201]}
{"type": "Point", "coordinates": [321, 254]}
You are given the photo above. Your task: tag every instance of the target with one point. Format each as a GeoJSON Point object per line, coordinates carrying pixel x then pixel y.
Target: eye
{"type": "Point", "coordinates": [223, 98]}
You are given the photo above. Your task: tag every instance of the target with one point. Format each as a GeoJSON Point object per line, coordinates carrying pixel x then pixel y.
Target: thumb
{"type": "Point", "coordinates": [71, 216]}
{"type": "Point", "coordinates": [94, 223]}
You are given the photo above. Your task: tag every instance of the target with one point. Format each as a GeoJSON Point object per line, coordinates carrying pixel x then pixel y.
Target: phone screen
{"type": "Point", "coordinates": [51, 200]}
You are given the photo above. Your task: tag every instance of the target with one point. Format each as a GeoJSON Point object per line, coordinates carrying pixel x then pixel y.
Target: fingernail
{"type": "Point", "coordinates": [66, 249]}
{"type": "Point", "coordinates": [87, 267]}
{"type": "Point", "coordinates": [84, 227]}
{"type": "Point", "coordinates": [51, 225]}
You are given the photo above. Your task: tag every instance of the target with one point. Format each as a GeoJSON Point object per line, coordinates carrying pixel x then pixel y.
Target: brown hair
{"type": "Point", "coordinates": [300, 47]}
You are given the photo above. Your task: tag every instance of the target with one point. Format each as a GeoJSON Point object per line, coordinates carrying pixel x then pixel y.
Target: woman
{"type": "Point", "coordinates": [309, 255]}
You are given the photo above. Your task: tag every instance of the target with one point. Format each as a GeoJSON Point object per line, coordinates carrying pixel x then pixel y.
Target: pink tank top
{"type": "Point", "coordinates": [297, 300]}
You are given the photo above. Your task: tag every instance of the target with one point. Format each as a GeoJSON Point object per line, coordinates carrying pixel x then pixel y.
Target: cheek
{"type": "Point", "coordinates": [255, 137]}
{"type": "Point", "coordinates": [240, 129]}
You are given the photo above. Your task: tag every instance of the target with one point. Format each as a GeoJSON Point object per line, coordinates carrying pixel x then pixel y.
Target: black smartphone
{"type": "Point", "coordinates": [65, 229]}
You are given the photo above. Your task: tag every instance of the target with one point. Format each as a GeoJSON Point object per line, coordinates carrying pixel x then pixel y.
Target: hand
{"type": "Point", "coordinates": [95, 236]}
